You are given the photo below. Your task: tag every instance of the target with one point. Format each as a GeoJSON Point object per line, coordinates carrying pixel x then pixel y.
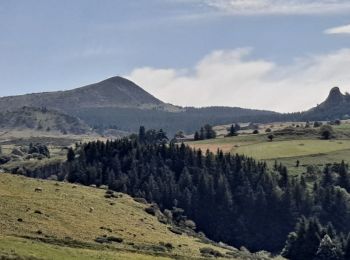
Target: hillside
{"type": "Point", "coordinates": [124, 105]}
{"type": "Point", "coordinates": [336, 106]}
{"type": "Point", "coordinates": [64, 221]}
{"type": "Point", "coordinates": [42, 119]}
{"type": "Point", "coordinates": [189, 119]}
{"type": "Point", "coordinates": [112, 92]}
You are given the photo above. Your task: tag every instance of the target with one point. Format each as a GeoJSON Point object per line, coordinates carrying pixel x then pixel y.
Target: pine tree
{"type": "Point", "coordinates": [232, 131]}
{"type": "Point", "coordinates": [142, 134]}
{"type": "Point", "coordinates": [347, 248]}
{"type": "Point", "coordinates": [196, 136]}
{"type": "Point", "coordinates": [343, 180]}
{"type": "Point", "coordinates": [202, 135]}
{"type": "Point", "coordinates": [70, 155]}
{"type": "Point", "coordinates": [327, 178]}
{"type": "Point", "coordinates": [327, 250]}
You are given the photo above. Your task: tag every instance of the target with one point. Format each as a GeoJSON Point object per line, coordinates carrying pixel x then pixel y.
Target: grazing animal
{"type": "Point", "coordinates": [38, 189]}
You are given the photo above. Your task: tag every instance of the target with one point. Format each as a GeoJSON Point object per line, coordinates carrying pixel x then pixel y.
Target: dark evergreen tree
{"type": "Point", "coordinates": [70, 155]}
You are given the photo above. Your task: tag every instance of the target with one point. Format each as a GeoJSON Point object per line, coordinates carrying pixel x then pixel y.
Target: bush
{"type": "Point", "coordinates": [208, 251]}
{"type": "Point", "coordinates": [175, 230]}
{"type": "Point", "coordinates": [39, 149]}
{"type": "Point", "coordinates": [317, 124]}
{"type": "Point", "coordinates": [190, 224]}
{"type": "Point", "coordinates": [102, 240]}
{"type": "Point", "coordinates": [114, 239]}
{"type": "Point", "coordinates": [268, 130]}
{"type": "Point", "coordinates": [326, 132]}
{"type": "Point", "coordinates": [152, 210]}
{"type": "Point", "coordinates": [255, 132]}
{"type": "Point", "coordinates": [140, 200]}
{"type": "Point", "coordinates": [4, 159]}
{"type": "Point", "coordinates": [168, 246]}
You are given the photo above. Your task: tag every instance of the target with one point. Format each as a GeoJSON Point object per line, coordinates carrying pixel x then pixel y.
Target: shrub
{"type": "Point", "coordinates": [168, 214]}
{"type": "Point", "coordinates": [190, 224]}
{"type": "Point", "coordinates": [39, 149]}
{"type": "Point", "coordinates": [140, 200]}
{"type": "Point", "coordinates": [255, 132]}
{"type": "Point", "coordinates": [208, 251]}
{"type": "Point", "coordinates": [168, 246]}
{"type": "Point", "coordinates": [114, 239]}
{"type": "Point", "coordinates": [152, 210]}
{"type": "Point", "coordinates": [317, 124]}
{"type": "Point", "coordinates": [326, 132]}
{"type": "Point", "coordinates": [175, 230]}
{"type": "Point", "coordinates": [101, 240]}
{"type": "Point", "coordinates": [4, 159]}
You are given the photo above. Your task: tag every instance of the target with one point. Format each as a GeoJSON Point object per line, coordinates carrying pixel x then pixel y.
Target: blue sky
{"type": "Point", "coordinates": [273, 54]}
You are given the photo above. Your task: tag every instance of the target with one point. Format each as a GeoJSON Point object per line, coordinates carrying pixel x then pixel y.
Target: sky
{"type": "Point", "coordinates": [282, 55]}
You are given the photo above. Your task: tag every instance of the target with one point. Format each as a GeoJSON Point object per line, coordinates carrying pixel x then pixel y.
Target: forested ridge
{"type": "Point", "coordinates": [231, 198]}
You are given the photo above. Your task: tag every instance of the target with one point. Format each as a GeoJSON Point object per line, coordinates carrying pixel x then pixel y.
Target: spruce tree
{"type": "Point", "coordinates": [327, 250]}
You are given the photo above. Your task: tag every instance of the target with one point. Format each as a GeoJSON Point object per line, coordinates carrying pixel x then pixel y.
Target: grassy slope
{"type": "Point", "coordinates": [69, 229]}
{"type": "Point", "coordinates": [309, 150]}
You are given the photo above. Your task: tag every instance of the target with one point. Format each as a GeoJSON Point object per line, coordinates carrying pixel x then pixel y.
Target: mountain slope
{"type": "Point", "coordinates": [62, 221]}
{"type": "Point", "coordinates": [42, 119]}
{"type": "Point", "coordinates": [112, 92]}
{"type": "Point", "coordinates": [122, 104]}
{"type": "Point", "coordinates": [336, 106]}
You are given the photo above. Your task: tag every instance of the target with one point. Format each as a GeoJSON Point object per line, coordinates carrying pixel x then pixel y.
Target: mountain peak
{"type": "Point", "coordinates": [335, 91]}
{"type": "Point", "coordinates": [117, 79]}
{"type": "Point", "coordinates": [334, 97]}
{"type": "Point", "coordinates": [112, 92]}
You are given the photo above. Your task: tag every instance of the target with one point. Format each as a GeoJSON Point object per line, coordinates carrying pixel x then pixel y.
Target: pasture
{"type": "Point", "coordinates": [57, 223]}
{"type": "Point", "coordinates": [308, 149]}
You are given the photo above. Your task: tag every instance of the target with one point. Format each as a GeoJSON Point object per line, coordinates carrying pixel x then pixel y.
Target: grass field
{"type": "Point", "coordinates": [292, 148]}
{"type": "Point", "coordinates": [57, 224]}
{"type": "Point", "coordinates": [287, 149]}
{"type": "Point", "coordinates": [20, 248]}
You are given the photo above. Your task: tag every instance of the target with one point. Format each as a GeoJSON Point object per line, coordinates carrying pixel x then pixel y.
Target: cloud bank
{"type": "Point", "coordinates": [233, 78]}
{"type": "Point", "coordinates": [279, 7]}
{"type": "Point", "coordinates": [345, 29]}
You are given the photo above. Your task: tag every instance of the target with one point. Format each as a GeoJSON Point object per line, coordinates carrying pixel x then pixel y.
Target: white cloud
{"type": "Point", "coordinates": [232, 78]}
{"type": "Point", "coordinates": [338, 30]}
{"type": "Point", "coordinates": [263, 7]}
